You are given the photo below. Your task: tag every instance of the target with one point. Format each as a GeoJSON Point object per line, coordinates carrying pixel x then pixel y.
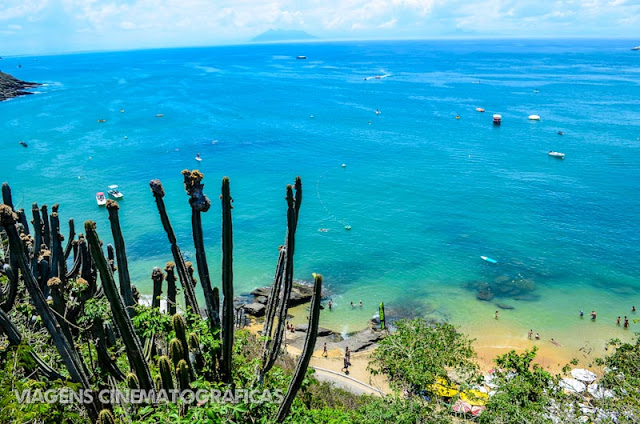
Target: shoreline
{"type": "Point", "coordinates": [11, 87]}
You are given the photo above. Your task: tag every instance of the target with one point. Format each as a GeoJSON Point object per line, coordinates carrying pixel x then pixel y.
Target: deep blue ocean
{"type": "Point", "coordinates": [425, 194]}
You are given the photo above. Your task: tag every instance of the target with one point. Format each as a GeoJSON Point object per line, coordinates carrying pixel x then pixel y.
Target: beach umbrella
{"type": "Point", "coordinates": [572, 385]}
{"type": "Point", "coordinates": [599, 392]}
{"type": "Point", "coordinates": [474, 397]}
{"type": "Point", "coordinates": [461, 407]}
{"type": "Point", "coordinates": [583, 375]}
{"type": "Point", "coordinates": [477, 410]}
{"type": "Point", "coordinates": [443, 388]}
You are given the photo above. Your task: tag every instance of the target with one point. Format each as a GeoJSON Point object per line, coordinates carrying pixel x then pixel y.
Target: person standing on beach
{"type": "Point", "coordinates": [325, 353]}
{"type": "Point", "coordinates": [626, 322]}
{"type": "Point", "coordinates": [530, 335]}
{"type": "Point", "coordinates": [345, 368]}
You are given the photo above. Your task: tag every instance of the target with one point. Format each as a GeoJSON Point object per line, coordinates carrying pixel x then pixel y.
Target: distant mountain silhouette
{"type": "Point", "coordinates": [283, 35]}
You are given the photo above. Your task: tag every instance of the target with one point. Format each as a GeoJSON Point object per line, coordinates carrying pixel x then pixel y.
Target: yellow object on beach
{"type": "Point", "coordinates": [474, 397]}
{"type": "Point", "coordinates": [443, 389]}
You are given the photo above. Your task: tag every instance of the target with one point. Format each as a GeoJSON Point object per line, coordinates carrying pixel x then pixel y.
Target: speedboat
{"type": "Point", "coordinates": [100, 199]}
{"type": "Point", "coordinates": [301, 57]}
{"type": "Point", "coordinates": [488, 259]}
{"type": "Point", "coordinates": [479, 109]}
{"type": "Point", "coordinates": [636, 48]}
{"type": "Point", "coordinates": [114, 192]}
{"type": "Point", "coordinates": [534, 117]}
{"type": "Point", "coordinates": [497, 119]}
{"type": "Point", "coordinates": [556, 154]}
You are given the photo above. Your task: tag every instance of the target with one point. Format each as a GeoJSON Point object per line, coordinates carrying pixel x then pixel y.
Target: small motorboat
{"type": "Point", "coordinates": [100, 199]}
{"type": "Point", "coordinates": [378, 112]}
{"type": "Point", "coordinates": [534, 117]}
{"type": "Point", "coordinates": [159, 115]}
{"type": "Point", "coordinates": [556, 154]}
{"type": "Point", "coordinates": [23, 144]}
{"type": "Point", "coordinates": [114, 192]}
{"type": "Point", "coordinates": [636, 48]}
{"type": "Point", "coordinates": [479, 109]}
{"type": "Point", "coordinates": [497, 119]}
{"type": "Point", "coordinates": [301, 57]}
{"type": "Point", "coordinates": [488, 259]}
{"type": "Point", "coordinates": [102, 120]}
{"type": "Point", "coordinates": [347, 227]}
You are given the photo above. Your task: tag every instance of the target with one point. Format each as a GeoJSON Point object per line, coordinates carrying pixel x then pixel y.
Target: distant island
{"type": "Point", "coordinates": [12, 87]}
{"type": "Point", "coordinates": [283, 35]}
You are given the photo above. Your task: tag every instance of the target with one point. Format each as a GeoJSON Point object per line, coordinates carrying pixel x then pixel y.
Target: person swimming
{"type": "Point", "coordinates": [593, 315]}
{"type": "Point", "coordinates": [581, 313]}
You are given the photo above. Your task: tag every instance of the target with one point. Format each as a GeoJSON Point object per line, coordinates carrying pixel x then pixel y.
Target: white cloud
{"type": "Point", "coordinates": [11, 9]}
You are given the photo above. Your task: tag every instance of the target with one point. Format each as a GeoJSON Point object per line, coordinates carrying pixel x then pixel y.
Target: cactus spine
{"type": "Point", "coordinates": [187, 284]}
{"type": "Point", "coordinates": [227, 282]}
{"type": "Point", "coordinates": [118, 310]}
{"type": "Point", "coordinates": [121, 255]}
{"type": "Point", "coordinates": [307, 351]}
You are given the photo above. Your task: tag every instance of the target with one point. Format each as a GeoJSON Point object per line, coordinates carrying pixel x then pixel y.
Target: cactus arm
{"type": "Point", "coordinates": [37, 238]}
{"type": "Point", "coordinates": [118, 310]}
{"type": "Point", "coordinates": [227, 282]}
{"type": "Point", "coordinates": [46, 233]}
{"type": "Point", "coordinates": [67, 352]}
{"type": "Point", "coordinates": [157, 277]}
{"type": "Point", "coordinates": [187, 284]}
{"type": "Point", "coordinates": [7, 199]}
{"type": "Point", "coordinates": [121, 255]}
{"type": "Point", "coordinates": [171, 288]}
{"type": "Point", "coordinates": [307, 351]}
{"type": "Point", "coordinates": [72, 235]}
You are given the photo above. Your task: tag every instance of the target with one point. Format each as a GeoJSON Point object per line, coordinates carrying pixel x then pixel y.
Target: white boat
{"type": "Point", "coordinates": [556, 154]}
{"type": "Point", "coordinates": [497, 119]}
{"type": "Point", "coordinates": [479, 109]}
{"type": "Point", "coordinates": [534, 117]}
{"type": "Point", "coordinates": [636, 48]}
{"type": "Point", "coordinates": [114, 192]}
{"type": "Point", "coordinates": [198, 158]}
{"type": "Point", "coordinates": [100, 199]}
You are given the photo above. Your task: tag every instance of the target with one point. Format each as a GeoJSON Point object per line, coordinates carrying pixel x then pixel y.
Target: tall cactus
{"type": "Point", "coordinates": [7, 199]}
{"type": "Point", "coordinates": [180, 328]}
{"type": "Point", "coordinates": [58, 265]}
{"type": "Point", "coordinates": [227, 282]}
{"type": "Point", "coordinates": [187, 284]}
{"type": "Point", "coordinates": [121, 255]}
{"type": "Point", "coordinates": [199, 203]}
{"type": "Point", "coordinates": [156, 277]}
{"type": "Point", "coordinates": [67, 351]}
{"type": "Point", "coordinates": [176, 351]}
{"type": "Point", "coordinates": [106, 417]}
{"type": "Point", "coordinates": [164, 366]}
{"type": "Point", "coordinates": [307, 350]}
{"type": "Point", "coordinates": [118, 310]}
{"type": "Point", "coordinates": [171, 288]}
{"type": "Point", "coordinates": [37, 237]}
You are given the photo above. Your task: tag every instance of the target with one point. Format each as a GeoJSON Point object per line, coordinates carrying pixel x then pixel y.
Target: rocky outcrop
{"type": "Point", "coordinates": [362, 340]}
{"type": "Point", "coordinates": [300, 293]}
{"type": "Point", "coordinates": [12, 87]}
{"type": "Point", "coordinates": [322, 332]}
{"type": "Point", "coordinates": [255, 309]}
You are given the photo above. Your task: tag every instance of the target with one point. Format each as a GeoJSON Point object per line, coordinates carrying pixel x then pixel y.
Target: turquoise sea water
{"type": "Point", "coordinates": [426, 194]}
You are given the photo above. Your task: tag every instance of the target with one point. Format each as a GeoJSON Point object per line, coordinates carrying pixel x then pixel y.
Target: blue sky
{"type": "Point", "coordinates": [50, 26]}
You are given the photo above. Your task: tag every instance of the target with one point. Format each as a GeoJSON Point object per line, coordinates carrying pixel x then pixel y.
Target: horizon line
{"type": "Point", "coordinates": [324, 40]}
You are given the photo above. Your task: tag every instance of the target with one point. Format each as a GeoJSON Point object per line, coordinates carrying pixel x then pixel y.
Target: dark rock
{"type": "Point", "coordinates": [361, 340]}
{"type": "Point", "coordinates": [12, 87]}
{"type": "Point", "coordinates": [300, 293]}
{"type": "Point", "coordinates": [255, 309]}
{"type": "Point", "coordinates": [322, 332]}
{"type": "Point", "coordinates": [504, 306]}
{"type": "Point", "coordinates": [485, 295]}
